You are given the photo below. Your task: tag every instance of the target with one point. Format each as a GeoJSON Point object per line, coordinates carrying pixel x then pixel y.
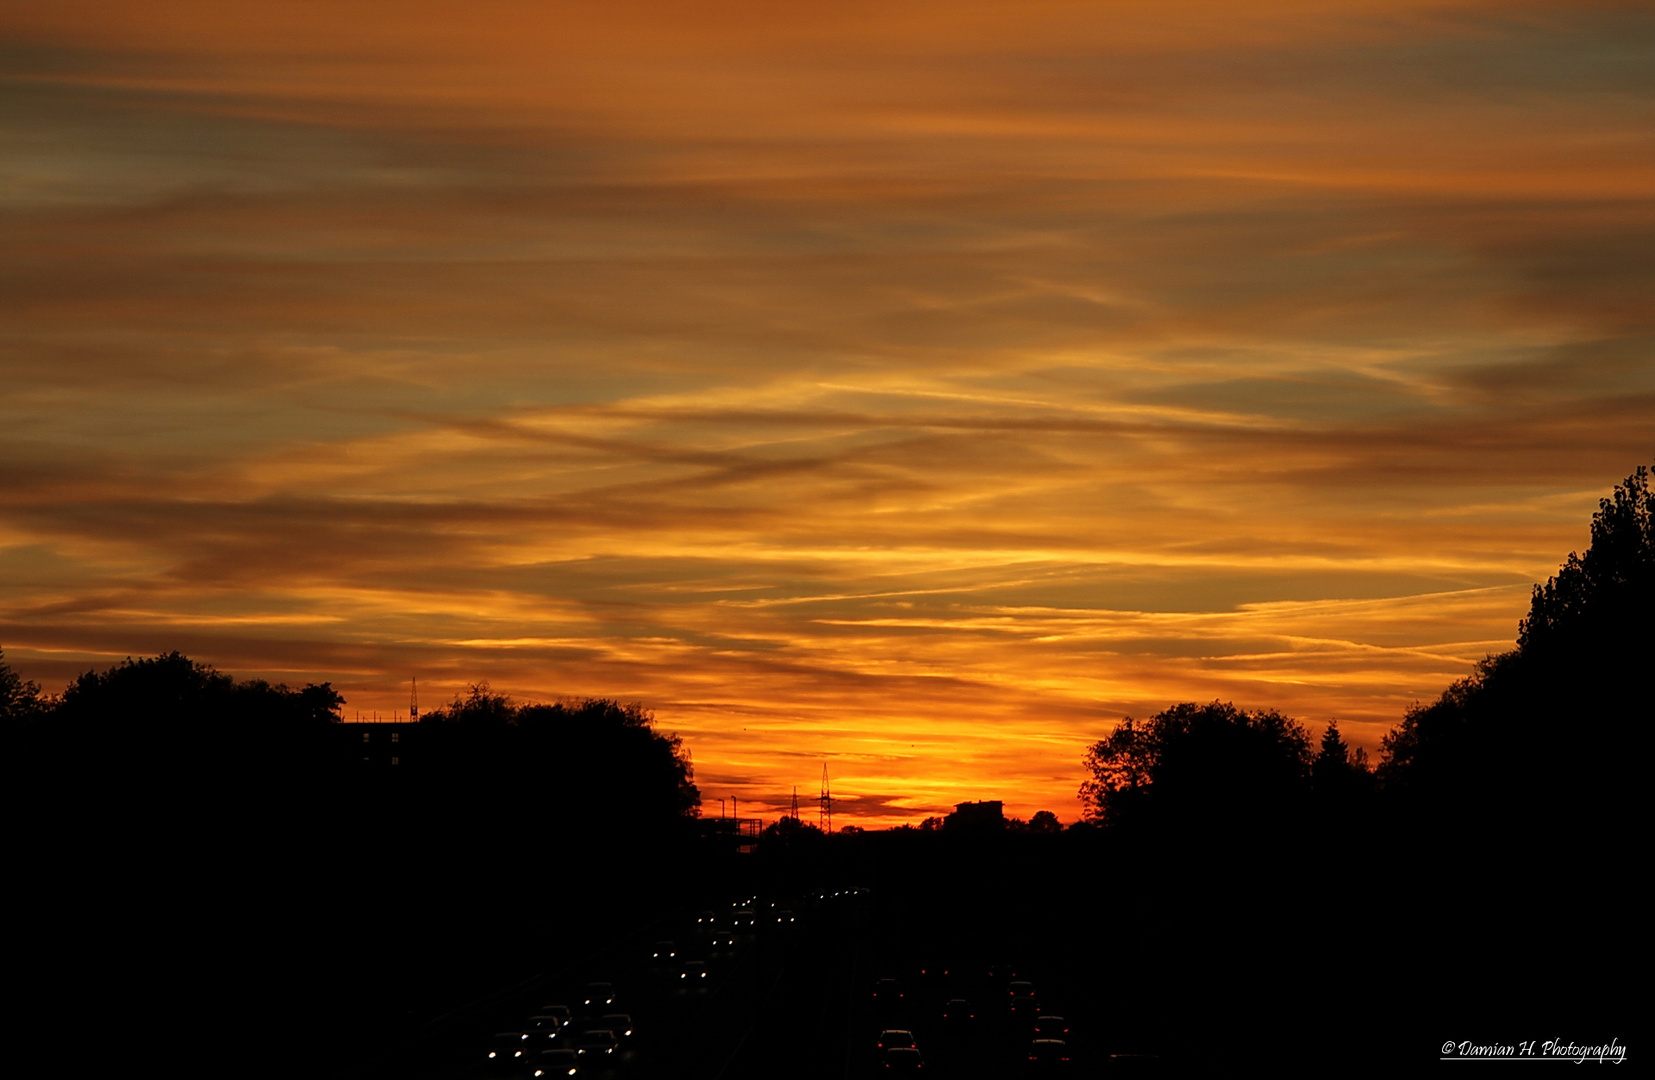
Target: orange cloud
{"type": "Point", "coordinates": [913, 389]}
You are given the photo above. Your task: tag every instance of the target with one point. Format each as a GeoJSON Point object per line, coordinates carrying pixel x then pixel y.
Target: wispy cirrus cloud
{"type": "Point", "coordinates": [918, 390]}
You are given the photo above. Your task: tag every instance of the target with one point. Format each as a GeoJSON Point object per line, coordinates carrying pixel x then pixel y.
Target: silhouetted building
{"type": "Point", "coordinates": [988, 814]}
{"type": "Point", "coordinates": [721, 832]}
{"type": "Point", "coordinates": [380, 745]}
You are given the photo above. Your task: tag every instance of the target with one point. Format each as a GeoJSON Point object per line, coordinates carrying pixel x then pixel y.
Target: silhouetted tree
{"type": "Point", "coordinates": [1603, 601]}
{"type": "Point", "coordinates": [1548, 732]}
{"type": "Point", "coordinates": [594, 762]}
{"type": "Point", "coordinates": [1044, 821]}
{"type": "Point", "coordinates": [149, 698]}
{"type": "Point", "coordinates": [176, 716]}
{"type": "Point", "coordinates": [1338, 770]}
{"type": "Point", "coordinates": [479, 706]}
{"type": "Point", "coordinates": [1334, 754]}
{"type": "Point", "coordinates": [20, 700]}
{"type": "Point", "coordinates": [1204, 765]}
{"type": "Point", "coordinates": [198, 806]}
{"type": "Point", "coordinates": [1505, 796]}
{"type": "Point", "coordinates": [789, 833]}
{"type": "Point", "coordinates": [612, 749]}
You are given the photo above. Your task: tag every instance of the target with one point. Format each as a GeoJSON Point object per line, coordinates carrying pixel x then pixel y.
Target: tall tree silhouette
{"type": "Point", "coordinates": [1546, 735]}
{"type": "Point", "coordinates": [1599, 609]}
{"type": "Point", "coordinates": [1511, 801]}
{"type": "Point", "coordinates": [1338, 770]}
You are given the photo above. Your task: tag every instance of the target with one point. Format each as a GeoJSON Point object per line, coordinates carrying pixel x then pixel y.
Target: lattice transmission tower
{"type": "Point", "coordinates": [824, 803]}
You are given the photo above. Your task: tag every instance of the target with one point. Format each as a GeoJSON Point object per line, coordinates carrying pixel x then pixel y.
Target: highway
{"type": "Point", "coordinates": [794, 996]}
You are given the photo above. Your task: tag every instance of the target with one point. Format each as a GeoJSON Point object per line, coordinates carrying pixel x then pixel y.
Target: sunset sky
{"type": "Point", "coordinates": [916, 388]}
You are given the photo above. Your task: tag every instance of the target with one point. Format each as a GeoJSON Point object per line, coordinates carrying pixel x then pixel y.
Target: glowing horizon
{"type": "Point", "coordinates": [913, 390]}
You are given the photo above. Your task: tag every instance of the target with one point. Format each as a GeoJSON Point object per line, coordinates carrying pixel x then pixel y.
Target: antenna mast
{"type": "Point", "coordinates": [413, 699]}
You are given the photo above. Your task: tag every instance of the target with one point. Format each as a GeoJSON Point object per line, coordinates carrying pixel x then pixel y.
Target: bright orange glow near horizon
{"type": "Point", "coordinates": [916, 390]}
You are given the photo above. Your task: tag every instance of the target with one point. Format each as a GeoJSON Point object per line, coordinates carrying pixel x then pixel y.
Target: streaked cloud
{"type": "Point", "coordinates": [916, 389]}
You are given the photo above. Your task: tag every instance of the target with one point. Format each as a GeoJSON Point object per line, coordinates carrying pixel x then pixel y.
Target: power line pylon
{"type": "Point", "coordinates": [824, 813]}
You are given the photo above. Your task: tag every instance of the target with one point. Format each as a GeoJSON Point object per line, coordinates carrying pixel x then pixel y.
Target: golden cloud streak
{"type": "Point", "coordinates": [919, 389]}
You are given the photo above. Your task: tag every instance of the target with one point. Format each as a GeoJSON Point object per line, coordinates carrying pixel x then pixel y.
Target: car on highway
{"type": "Point", "coordinates": [1048, 1055]}
{"type": "Point", "coordinates": [902, 1059]}
{"type": "Point", "coordinates": [547, 1025]}
{"type": "Point", "coordinates": [560, 1013]}
{"type": "Point", "coordinates": [692, 972]}
{"type": "Point", "coordinates": [619, 1023]}
{"type": "Point", "coordinates": [1050, 1027]}
{"type": "Point", "coordinates": [664, 952]}
{"type": "Point", "coordinates": [555, 1063]}
{"type": "Point", "coordinates": [896, 1037]}
{"type": "Point", "coordinates": [598, 994]}
{"type": "Point", "coordinates": [598, 1043]}
{"type": "Point", "coordinates": [887, 991]}
{"type": "Point", "coordinates": [507, 1050]}
{"type": "Point", "coordinates": [958, 1010]}
{"type": "Point", "coordinates": [544, 1038]}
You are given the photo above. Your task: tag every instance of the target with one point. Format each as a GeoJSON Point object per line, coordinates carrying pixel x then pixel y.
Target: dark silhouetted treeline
{"type": "Point", "coordinates": [1539, 741]}
{"type": "Point", "coordinates": [167, 724]}
{"type": "Point", "coordinates": [1244, 889]}
{"type": "Point", "coordinates": [1551, 735]}
{"type": "Point", "coordinates": [1476, 884]}
{"type": "Point", "coordinates": [1202, 767]}
{"type": "Point", "coordinates": [347, 884]}
{"type": "Point", "coordinates": [594, 762]}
